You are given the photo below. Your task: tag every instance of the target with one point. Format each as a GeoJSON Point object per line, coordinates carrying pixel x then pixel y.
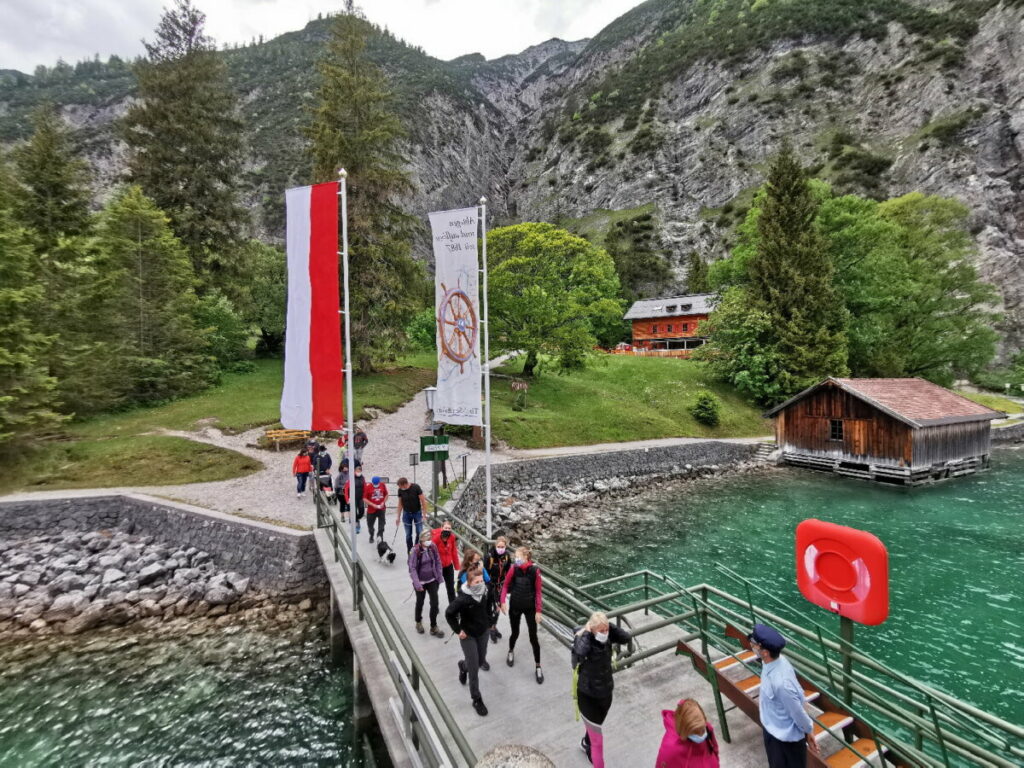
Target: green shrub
{"type": "Point", "coordinates": [706, 409]}
{"type": "Point", "coordinates": [421, 330]}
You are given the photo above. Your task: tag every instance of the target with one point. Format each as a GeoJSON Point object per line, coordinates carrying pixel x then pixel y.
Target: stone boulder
{"type": "Point", "coordinates": [66, 607]}
{"type": "Point", "coordinates": [220, 595]}
{"type": "Point", "coordinates": [150, 573]}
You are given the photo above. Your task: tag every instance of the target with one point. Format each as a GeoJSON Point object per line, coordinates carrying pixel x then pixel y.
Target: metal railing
{"type": "Point", "coordinates": [915, 721]}
{"type": "Point", "coordinates": [430, 730]}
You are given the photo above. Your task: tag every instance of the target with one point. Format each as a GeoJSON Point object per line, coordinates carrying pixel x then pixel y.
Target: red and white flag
{"type": "Point", "coordinates": [311, 398]}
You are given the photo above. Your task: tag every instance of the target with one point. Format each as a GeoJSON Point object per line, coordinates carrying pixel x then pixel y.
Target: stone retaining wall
{"type": "Point", "coordinates": [278, 561]}
{"type": "Point", "coordinates": [1012, 434]}
{"type": "Point", "coordinates": [536, 497]}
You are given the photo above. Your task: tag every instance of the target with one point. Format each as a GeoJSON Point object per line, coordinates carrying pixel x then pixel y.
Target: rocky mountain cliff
{"type": "Point", "coordinates": [672, 109]}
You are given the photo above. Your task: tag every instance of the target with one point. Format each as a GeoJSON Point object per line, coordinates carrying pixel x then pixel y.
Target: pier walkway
{"type": "Point", "coordinates": [520, 711]}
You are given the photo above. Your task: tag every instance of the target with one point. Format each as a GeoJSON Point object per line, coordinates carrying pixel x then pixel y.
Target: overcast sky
{"type": "Point", "coordinates": [36, 32]}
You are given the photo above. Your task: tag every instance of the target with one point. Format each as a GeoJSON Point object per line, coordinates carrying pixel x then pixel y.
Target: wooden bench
{"type": "Point", "coordinates": [278, 436]}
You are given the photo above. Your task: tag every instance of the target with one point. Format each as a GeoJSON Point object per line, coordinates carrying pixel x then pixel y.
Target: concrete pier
{"type": "Point", "coordinates": [521, 711]}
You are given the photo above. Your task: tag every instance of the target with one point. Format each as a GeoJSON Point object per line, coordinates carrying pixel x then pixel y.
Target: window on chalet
{"type": "Point", "coordinates": [669, 328]}
{"type": "Point", "coordinates": [670, 308]}
{"type": "Point", "coordinates": [686, 327]}
{"type": "Point", "coordinates": [835, 429]}
{"type": "Point", "coordinates": [686, 307]}
{"type": "Point", "coordinates": [654, 328]}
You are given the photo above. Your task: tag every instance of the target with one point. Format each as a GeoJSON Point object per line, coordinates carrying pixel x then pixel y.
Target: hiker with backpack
{"type": "Point", "coordinates": [425, 572]}
{"type": "Point", "coordinates": [499, 560]}
{"type": "Point", "coordinates": [592, 679]}
{"type": "Point", "coordinates": [522, 587]}
{"type": "Point", "coordinates": [359, 442]}
{"type": "Point", "coordinates": [689, 740]}
{"type": "Point", "coordinates": [469, 618]}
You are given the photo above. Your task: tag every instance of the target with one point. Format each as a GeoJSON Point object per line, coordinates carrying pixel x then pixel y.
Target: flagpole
{"type": "Point", "coordinates": [487, 370]}
{"type": "Point", "coordinates": [350, 453]}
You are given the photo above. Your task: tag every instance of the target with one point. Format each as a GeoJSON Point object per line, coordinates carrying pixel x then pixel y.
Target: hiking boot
{"type": "Point", "coordinates": [539, 674]}
{"type": "Point", "coordinates": [495, 636]}
{"type": "Point", "coordinates": [585, 746]}
{"type": "Point", "coordinates": [436, 632]}
{"type": "Point", "coordinates": [463, 672]}
{"type": "Point", "coordinates": [419, 627]}
{"type": "Point", "coordinates": [510, 659]}
{"type": "Point", "coordinates": [485, 666]}
{"type": "Point", "coordinates": [478, 705]}
{"type": "Point", "coordinates": [359, 528]}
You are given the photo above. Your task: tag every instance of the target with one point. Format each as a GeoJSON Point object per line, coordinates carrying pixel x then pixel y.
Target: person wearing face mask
{"type": "Point", "coordinates": [470, 558]}
{"type": "Point", "coordinates": [592, 678]}
{"type": "Point", "coordinates": [499, 560]}
{"type": "Point", "coordinates": [425, 572]}
{"type": "Point", "coordinates": [522, 587]}
{"type": "Point", "coordinates": [448, 548]}
{"type": "Point", "coordinates": [469, 617]}
{"type": "Point", "coordinates": [689, 740]}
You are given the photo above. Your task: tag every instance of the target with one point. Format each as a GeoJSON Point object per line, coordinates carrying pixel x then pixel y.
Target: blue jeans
{"type": "Point", "coordinates": [408, 518]}
{"type": "Point", "coordinates": [300, 478]}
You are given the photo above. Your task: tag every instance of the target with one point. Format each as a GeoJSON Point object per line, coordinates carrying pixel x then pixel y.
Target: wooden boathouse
{"type": "Point", "coordinates": [901, 431]}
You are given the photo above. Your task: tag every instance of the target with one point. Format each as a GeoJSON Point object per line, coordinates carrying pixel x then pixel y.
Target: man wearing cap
{"type": "Point", "coordinates": [376, 497]}
{"type": "Point", "coordinates": [787, 726]}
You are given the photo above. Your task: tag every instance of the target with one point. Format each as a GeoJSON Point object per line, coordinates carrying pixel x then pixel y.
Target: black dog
{"type": "Point", "coordinates": [384, 551]}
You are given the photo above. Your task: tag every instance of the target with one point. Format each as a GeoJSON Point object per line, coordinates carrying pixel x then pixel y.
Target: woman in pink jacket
{"type": "Point", "coordinates": [689, 740]}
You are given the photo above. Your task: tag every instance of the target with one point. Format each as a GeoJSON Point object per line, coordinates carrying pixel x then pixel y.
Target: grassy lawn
{"type": "Point", "coordinates": [136, 460]}
{"type": "Point", "coordinates": [618, 398]}
{"type": "Point", "coordinates": [996, 402]}
{"type": "Point", "coordinates": [115, 449]}
{"type": "Point", "coordinates": [246, 400]}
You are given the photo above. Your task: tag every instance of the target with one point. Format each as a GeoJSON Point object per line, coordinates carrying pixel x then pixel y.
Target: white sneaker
{"type": "Point", "coordinates": [298, 495]}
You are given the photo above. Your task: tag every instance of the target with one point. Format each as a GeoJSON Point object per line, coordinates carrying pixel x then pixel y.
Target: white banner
{"type": "Point", "coordinates": [457, 311]}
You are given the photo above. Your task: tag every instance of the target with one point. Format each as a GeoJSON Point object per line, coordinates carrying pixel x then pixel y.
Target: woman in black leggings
{"type": "Point", "coordinates": [523, 589]}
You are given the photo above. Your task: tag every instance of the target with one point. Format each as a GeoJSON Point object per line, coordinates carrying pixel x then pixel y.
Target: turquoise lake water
{"type": "Point", "coordinates": [956, 562]}
{"type": "Point", "coordinates": [259, 696]}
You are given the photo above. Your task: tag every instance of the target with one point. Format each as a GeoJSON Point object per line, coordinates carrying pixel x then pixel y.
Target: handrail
{"type": "Point", "coordinates": [393, 643]}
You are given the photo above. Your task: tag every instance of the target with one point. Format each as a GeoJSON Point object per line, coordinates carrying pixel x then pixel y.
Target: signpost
{"type": "Point", "coordinates": [434, 448]}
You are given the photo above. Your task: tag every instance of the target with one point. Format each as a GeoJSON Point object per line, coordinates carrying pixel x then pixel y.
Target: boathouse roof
{"type": "Point", "coordinates": [671, 306]}
{"type": "Point", "coordinates": [916, 402]}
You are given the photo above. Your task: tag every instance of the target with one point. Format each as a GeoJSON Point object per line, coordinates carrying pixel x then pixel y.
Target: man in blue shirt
{"type": "Point", "coordinates": [787, 726]}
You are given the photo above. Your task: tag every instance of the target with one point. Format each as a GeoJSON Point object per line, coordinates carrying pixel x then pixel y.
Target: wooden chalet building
{"type": "Point", "coordinates": [903, 431]}
{"type": "Point", "coordinates": [669, 323]}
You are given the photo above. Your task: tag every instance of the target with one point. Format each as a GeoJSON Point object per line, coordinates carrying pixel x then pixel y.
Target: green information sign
{"type": "Point", "coordinates": [434, 448]}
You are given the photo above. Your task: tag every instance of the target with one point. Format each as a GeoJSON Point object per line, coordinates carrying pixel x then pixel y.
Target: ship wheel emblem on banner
{"type": "Point", "coordinates": [457, 326]}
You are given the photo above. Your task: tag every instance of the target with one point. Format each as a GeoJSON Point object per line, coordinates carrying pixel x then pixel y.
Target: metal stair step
{"type": "Point", "coordinates": [845, 758]}
{"type": "Point", "coordinates": [833, 720]}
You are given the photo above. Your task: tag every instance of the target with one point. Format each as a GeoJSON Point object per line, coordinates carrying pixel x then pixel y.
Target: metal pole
{"type": "Point", "coordinates": [487, 371]}
{"type": "Point", "coordinates": [350, 415]}
{"type": "Point", "coordinates": [846, 633]}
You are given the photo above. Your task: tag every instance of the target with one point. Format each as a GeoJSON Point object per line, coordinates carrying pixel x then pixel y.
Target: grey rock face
{"type": "Point", "coordinates": [112, 574]}
{"type": "Point", "coordinates": [151, 572]}
{"type": "Point", "coordinates": [220, 595]}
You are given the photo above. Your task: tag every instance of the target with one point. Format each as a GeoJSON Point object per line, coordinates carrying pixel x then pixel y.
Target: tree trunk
{"type": "Point", "coordinates": [530, 364]}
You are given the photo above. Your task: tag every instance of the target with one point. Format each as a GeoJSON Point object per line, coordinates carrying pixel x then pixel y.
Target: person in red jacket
{"type": "Point", "coordinates": [301, 467]}
{"type": "Point", "coordinates": [376, 497]}
{"type": "Point", "coordinates": [447, 544]}
{"type": "Point", "coordinates": [689, 740]}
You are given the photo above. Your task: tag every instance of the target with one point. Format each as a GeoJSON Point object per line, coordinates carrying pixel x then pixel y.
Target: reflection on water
{"type": "Point", "coordinates": [250, 696]}
{"type": "Point", "coordinates": [956, 560]}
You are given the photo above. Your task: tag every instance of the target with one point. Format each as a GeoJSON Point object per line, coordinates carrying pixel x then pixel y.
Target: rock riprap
{"type": "Point", "coordinates": [70, 582]}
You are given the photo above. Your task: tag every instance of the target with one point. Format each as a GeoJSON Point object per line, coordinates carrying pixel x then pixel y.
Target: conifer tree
{"type": "Point", "coordinates": [52, 197]}
{"type": "Point", "coordinates": [26, 389]}
{"type": "Point", "coordinates": [696, 274]}
{"type": "Point", "coordinates": [791, 279]}
{"type": "Point", "coordinates": [143, 306]}
{"type": "Point", "coordinates": [185, 138]}
{"type": "Point", "coordinates": [354, 127]}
